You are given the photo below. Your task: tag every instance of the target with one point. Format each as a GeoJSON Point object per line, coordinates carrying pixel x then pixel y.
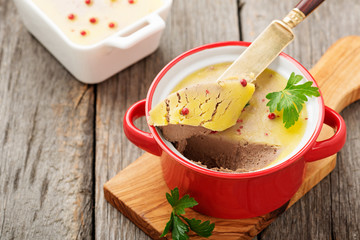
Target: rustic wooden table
{"type": "Point", "coordinates": [61, 140]}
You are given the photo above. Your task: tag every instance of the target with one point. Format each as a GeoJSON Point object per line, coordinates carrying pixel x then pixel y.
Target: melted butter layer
{"type": "Point", "coordinates": [254, 125]}
{"type": "Point", "coordinates": [210, 105]}
{"type": "Point", "coordinates": [108, 16]}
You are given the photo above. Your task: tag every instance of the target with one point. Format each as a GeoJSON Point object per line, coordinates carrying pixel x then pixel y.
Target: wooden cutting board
{"type": "Point", "coordinates": [139, 190]}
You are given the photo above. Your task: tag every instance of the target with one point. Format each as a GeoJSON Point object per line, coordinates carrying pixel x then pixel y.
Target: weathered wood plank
{"type": "Point", "coordinates": [330, 210]}
{"type": "Point", "coordinates": [191, 23]}
{"type": "Point", "coordinates": [46, 140]}
{"type": "Point", "coordinates": [345, 181]}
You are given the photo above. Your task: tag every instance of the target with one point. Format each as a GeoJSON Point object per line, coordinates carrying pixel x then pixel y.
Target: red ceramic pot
{"type": "Point", "coordinates": [233, 195]}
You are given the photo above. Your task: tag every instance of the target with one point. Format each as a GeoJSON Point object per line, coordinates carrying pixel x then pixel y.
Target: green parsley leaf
{"type": "Point", "coordinates": [291, 99]}
{"type": "Point", "coordinates": [169, 226]}
{"type": "Point", "coordinates": [180, 228]}
{"type": "Point", "coordinates": [173, 197]}
{"type": "Point", "coordinates": [179, 205]}
{"type": "Point", "coordinates": [203, 229]}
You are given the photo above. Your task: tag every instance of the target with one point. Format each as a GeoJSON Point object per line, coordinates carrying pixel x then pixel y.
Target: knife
{"type": "Point", "coordinates": [269, 44]}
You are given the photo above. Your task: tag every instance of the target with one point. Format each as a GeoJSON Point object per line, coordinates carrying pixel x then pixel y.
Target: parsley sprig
{"type": "Point", "coordinates": [180, 225]}
{"type": "Point", "coordinates": [291, 99]}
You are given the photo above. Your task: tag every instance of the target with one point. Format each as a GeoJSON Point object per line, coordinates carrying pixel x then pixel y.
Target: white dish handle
{"type": "Point", "coordinates": [153, 24]}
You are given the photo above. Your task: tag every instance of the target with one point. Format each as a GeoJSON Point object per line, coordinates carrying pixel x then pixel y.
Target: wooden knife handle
{"type": "Point", "coordinates": [307, 6]}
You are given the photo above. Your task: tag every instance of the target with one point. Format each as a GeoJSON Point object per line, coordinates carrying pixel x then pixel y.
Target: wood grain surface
{"type": "Point", "coordinates": [61, 140]}
{"type": "Point", "coordinates": [46, 140]}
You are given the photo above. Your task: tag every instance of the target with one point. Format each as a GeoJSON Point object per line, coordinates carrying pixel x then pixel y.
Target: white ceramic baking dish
{"type": "Point", "coordinates": [97, 62]}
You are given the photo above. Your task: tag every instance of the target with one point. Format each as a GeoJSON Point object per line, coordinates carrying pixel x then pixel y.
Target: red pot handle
{"type": "Point", "coordinates": [332, 145]}
{"type": "Point", "coordinates": [143, 140]}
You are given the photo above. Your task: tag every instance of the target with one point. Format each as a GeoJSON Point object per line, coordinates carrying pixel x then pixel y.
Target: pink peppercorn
{"type": "Point", "coordinates": [243, 82]}
{"type": "Point", "coordinates": [185, 111]}
{"type": "Point", "coordinates": [71, 16]}
{"type": "Point", "coordinates": [92, 20]}
{"type": "Point", "coordinates": [272, 116]}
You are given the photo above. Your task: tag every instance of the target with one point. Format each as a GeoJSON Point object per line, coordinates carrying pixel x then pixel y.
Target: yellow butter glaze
{"type": "Point", "coordinates": [119, 12]}
{"type": "Point", "coordinates": [211, 105]}
{"type": "Point", "coordinates": [254, 126]}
